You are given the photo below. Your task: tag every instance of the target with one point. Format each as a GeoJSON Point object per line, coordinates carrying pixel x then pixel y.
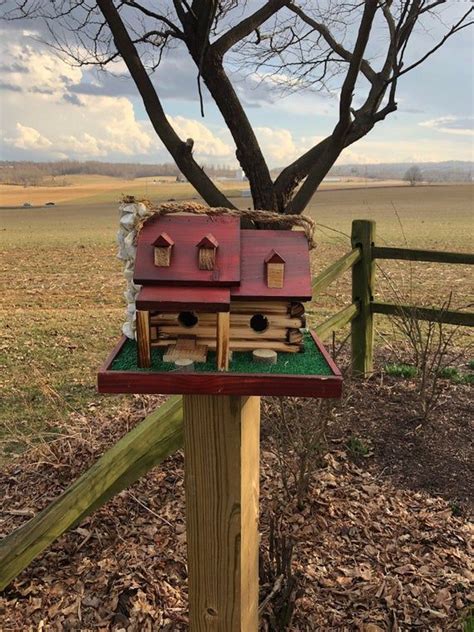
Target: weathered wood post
{"type": "Point", "coordinates": [221, 448]}
{"type": "Point", "coordinates": [363, 278]}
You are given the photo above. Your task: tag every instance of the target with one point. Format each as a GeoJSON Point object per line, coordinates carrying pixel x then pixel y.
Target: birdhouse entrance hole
{"type": "Point", "coordinates": [259, 323]}
{"type": "Point", "coordinates": [188, 319]}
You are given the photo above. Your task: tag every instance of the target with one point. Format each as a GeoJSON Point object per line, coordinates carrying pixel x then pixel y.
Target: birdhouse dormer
{"type": "Point", "coordinates": [207, 249]}
{"type": "Point", "coordinates": [275, 269]}
{"type": "Point", "coordinates": [163, 245]}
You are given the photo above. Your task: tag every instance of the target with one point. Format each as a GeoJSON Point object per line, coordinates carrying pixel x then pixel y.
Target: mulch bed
{"type": "Point", "coordinates": [435, 456]}
{"type": "Point", "coordinates": [369, 554]}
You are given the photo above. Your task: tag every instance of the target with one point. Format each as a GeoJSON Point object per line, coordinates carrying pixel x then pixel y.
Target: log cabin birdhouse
{"type": "Point", "coordinates": [242, 290]}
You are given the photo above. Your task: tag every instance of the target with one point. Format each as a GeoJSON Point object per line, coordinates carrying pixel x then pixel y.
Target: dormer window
{"type": "Point", "coordinates": [163, 245]}
{"type": "Point", "coordinates": [275, 269]}
{"type": "Point", "coordinates": [207, 249]}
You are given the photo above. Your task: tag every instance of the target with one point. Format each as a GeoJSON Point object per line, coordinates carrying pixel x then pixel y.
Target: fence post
{"type": "Point", "coordinates": [363, 278]}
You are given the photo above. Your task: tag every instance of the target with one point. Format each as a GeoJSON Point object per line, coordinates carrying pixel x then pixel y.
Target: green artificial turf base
{"type": "Point", "coordinates": [308, 362]}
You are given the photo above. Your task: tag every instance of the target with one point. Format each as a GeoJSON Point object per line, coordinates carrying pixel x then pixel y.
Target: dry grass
{"type": "Point", "coordinates": [62, 287]}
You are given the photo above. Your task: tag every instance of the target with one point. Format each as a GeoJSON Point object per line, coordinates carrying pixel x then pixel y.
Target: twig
{"type": "Point", "coordinates": [276, 589]}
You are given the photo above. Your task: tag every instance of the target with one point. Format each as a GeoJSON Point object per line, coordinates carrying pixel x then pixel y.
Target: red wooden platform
{"type": "Point", "coordinates": [216, 383]}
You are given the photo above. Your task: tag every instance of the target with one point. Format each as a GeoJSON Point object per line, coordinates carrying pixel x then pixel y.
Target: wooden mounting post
{"type": "Point", "coordinates": [221, 447]}
{"type": "Point", "coordinates": [223, 340]}
{"type": "Point", "coordinates": [363, 278]}
{"type": "Point", "coordinates": [143, 339]}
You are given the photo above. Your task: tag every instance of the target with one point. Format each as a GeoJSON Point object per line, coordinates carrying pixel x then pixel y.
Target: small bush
{"type": "Point", "coordinates": [401, 370]}
{"type": "Point", "coordinates": [450, 373]}
{"type": "Point", "coordinates": [468, 625]}
{"type": "Point", "coordinates": [357, 447]}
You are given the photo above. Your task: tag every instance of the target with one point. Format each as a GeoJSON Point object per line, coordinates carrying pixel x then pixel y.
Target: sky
{"type": "Point", "coordinates": [52, 110]}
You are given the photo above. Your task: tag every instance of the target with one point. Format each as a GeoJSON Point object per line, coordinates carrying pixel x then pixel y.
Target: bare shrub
{"type": "Point", "coordinates": [429, 346]}
{"type": "Point", "coordinates": [299, 441]}
{"type": "Point", "coordinates": [278, 578]}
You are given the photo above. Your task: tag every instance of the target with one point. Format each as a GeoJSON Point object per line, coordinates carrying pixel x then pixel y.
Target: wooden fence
{"type": "Point", "coordinates": [360, 313]}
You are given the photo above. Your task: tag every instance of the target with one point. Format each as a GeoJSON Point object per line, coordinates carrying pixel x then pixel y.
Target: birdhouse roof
{"type": "Point", "coordinates": [292, 247]}
{"type": "Point", "coordinates": [241, 260]}
{"type": "Point", "coordinates": [274, 257]}
{"type": "Point", "coordinates": [163, 240]}
{"type": "Point", "coordinates": [187, 231]}
{"type": "Point", "coordinates": [209, 241]}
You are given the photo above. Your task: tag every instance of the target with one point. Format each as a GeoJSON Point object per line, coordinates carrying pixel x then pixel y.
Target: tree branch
{"type": "Point", "coordinates": [156, 16]}
{"type": "Point", "coordinates": [461, 24]}
{"type": "Point", "coordinates": [336, 46]}
{"type": "Point", "coordinates": [177, 148]}
{"type": "Point", "coordinates": [246, 26]}
{"type": "Point", "coordinates": [334, 148]}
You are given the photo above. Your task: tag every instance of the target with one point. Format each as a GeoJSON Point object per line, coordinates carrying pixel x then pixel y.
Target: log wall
{"type": "Point", "coordinates": [281, 324]}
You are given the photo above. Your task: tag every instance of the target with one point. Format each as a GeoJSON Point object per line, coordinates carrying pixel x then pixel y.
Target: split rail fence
{"type": "Point", "coordinates": [161, 433]}
{"type": "Point", "coordinates": [360, 313]}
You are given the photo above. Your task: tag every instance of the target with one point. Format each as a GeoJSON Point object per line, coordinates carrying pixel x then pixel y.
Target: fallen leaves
{"type": "Point", "coordinates": [369, 557]}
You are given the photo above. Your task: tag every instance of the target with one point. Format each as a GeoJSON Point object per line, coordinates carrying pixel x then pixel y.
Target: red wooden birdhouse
{"type": "Point", "coordinates": [208, 285]}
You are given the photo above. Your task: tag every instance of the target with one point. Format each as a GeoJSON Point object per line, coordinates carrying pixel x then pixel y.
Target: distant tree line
{"type": "Point", "coordinates": [446, 171]}
{"type": "Point", "coordinates": [36, 173]}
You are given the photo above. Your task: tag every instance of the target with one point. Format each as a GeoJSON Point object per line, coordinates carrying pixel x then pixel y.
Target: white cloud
{"type": "Point", "coordinates": [457, 125]}
{"type": "Point", "coordinates": [277, 145]}
{"type": "Point", "coordinates": [28, 138]}
{"type": "Point", "coordinates": [51, 109]}
{"type": "Point", "coordinates": [37, 71]}
{"type": "Point", "coordinates": [206, 143]}
{"type": "Point", "coordinates": [81, 145]}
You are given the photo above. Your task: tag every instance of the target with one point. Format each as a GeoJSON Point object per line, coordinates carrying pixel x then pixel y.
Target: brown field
{"type": "Point", "coordinates": [92, 189]}
{"type": "Point", "coordinates": [62, 285]}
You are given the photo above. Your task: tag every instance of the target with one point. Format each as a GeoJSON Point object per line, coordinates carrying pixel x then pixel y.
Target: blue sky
{"type": "Point", "coordinates": [51, 110]}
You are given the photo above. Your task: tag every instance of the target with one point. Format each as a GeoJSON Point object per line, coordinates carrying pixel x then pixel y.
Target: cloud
{"type": "Point", "coordinates": [28, 138]}
{"type": "Point", "coordinates": [33, 70]}
{"type": "Point", "coordinates": [206, 143]}
{"type": "Point", "coordinates": [9, 86]}
{"type": "Point", "coordinates": [72, 98]}
{"type": "Point", "coordinates": [277, 144]}
{"type": "Point", "coordinates": [51, 110]}
{"type": "Point", "coordinates": [458, 125]}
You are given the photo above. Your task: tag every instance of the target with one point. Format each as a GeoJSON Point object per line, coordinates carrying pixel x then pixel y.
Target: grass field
{"type": "Point", "coordinates": [62, 287]}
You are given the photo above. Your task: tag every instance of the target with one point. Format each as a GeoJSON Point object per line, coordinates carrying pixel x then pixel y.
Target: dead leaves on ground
{"type": "Point", "coordinates": [369, 557]}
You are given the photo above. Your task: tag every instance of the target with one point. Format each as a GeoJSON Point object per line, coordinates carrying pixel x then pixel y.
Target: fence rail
{"type": "Point", "coordinates": [449, 317]}
{"type": "Point", "coordinates": [360, 313]}
{"type": "Point", "coordinates": [345, 316]}
{"type": "Point", "coordinates": [335, 270]}
{"type": "Point", "coordinates": [410, 254]}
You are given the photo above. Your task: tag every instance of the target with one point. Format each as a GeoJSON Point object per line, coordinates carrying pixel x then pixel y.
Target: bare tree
{"type": "Point", "coordinates": [413, 175]}
{"type": "Point", "coordinates": [323, 45]}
